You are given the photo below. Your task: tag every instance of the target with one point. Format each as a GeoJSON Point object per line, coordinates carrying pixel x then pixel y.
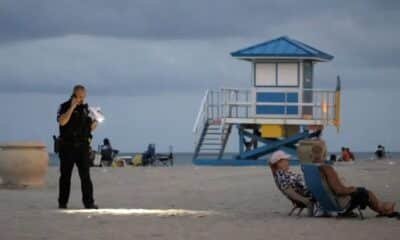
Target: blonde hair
{"type": "Point", "coordinates": [318, 153]}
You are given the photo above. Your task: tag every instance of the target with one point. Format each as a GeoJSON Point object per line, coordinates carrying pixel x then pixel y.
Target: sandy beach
{"type": "Point", "coordinates": [189, 202]}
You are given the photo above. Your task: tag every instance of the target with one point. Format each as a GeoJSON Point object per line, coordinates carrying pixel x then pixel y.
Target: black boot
{"type": "Point", "coordinates": [92, 206]}
{"type": "Point", "coordinates": [62, 206]}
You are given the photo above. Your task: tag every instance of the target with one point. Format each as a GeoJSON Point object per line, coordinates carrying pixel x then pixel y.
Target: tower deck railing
{"type": "Point", "coordinates": [313, 106]}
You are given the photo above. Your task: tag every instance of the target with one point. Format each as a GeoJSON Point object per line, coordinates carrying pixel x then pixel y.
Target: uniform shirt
{"type": "Point", "coordinates": [78, 128]}
{"type": "Point", "coordinates": [286, 179]}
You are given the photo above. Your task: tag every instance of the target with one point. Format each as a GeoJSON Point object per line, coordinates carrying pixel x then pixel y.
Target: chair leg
{"type": "Point", "coordinates": [316, 209]}
{"type": "Point", "coordinates": [361, 214]}
{"type": "Point", "coordinates": [291, 211]}
{"type": "Point", "coordinates": [311, 209]}
{"type": "Point", "coordinates": [299, 212]}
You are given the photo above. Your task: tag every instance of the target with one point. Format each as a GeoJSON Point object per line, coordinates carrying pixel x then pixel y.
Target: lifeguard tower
{"type": "Point", "coordinates": [281, 107]}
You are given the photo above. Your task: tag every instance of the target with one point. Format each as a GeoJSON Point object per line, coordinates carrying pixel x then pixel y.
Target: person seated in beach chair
{"type": "Point", "coordinates": [357, 197]}
{"type": "Point", "coordinates": [326, 199]}
{"type": "Point", "coordinates": [290, 183]}
{"type": "Point", "coordinates": [344, 156]}
{"type": "Point", "coordinates": [107, 153]}
{"type": "Point", "coordinates": [351, 154]}
{"type": "Point", "coordinates": [148, 157]}
{"type": "Point", "coordinates": [380, 152]}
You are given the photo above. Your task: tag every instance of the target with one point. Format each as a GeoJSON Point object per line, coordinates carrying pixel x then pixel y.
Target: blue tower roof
{"type": "Point", "coordinates": [282, 47]}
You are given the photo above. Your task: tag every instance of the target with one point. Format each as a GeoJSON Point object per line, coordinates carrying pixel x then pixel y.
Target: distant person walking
{"type": "Point", "coordinates": [75, 136]}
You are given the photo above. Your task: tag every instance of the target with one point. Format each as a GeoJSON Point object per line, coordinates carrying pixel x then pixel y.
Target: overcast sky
{"type": "Point", "coordinates": [152, 50]}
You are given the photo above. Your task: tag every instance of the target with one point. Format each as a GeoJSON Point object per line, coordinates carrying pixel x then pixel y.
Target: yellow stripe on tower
{"type": "Point", "coordinates": [337, 110]}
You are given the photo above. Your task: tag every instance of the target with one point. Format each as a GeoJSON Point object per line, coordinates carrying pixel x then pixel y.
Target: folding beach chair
{"type": "Point", "coordinates": [299, 202]}
{"type": "Point", "coordinates": [320, 190]}
{"type": "Point", "coordinates": [164, 159]}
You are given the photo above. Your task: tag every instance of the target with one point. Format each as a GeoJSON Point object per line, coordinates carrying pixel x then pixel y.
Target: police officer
{"type": "Point", "coordinates": [75, 136]}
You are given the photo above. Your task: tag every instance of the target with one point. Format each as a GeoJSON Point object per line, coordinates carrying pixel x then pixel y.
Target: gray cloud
{"type": "Point", "coordinates": [142, 19]}
{"type": "Point", "coordinates": [119, 67]}
{"type": "Point", "coordinates": [177, 19]}
{"type": "Point", "coordinates": [146, 47]}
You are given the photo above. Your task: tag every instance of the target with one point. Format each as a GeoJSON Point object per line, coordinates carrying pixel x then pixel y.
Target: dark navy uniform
{"type": "Point", "coordinates": [74, 143]}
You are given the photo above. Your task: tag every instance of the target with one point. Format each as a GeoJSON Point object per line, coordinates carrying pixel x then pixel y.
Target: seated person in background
{"type": "Point", "coordinates": [107, 152]}
{"type": "Point", "coordinates": [332, 158]}
{"type": "Point", "coordinates": [345, 157]}
{"type": "Point", "coordinates": [284, 178]}
{"type": "Point", "coordinates": [351, 155]}
{"type": "Point", "coordinates": [148, 156]}
{"type": "Point", "coordinates": [359, 196]}
{"type": "Point", "coordinates": [380, 152]}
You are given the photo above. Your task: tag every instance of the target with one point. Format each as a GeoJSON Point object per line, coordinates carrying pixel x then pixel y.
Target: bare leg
{"type": "Point", "coordinates": [383, 208]}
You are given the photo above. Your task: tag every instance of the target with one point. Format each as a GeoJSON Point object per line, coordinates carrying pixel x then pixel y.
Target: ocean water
{"type": "Point", "coordinates": [179, 158]}
{"type": "Point", "coordinates": [185, 159]}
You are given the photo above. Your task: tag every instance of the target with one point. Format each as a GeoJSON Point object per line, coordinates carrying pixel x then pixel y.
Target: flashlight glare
{"type": "Point", "coordinates": [96, 114]}
{"type": "Point", "coordinates": [140, 212]}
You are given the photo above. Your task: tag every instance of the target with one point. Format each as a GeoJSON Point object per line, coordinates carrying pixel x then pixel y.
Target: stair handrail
{"type": "Point", "coordinates": [201, 113]}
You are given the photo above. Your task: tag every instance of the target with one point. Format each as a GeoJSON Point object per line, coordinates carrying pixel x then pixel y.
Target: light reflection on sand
{"type": "Point", "coordinates": [141, 212]}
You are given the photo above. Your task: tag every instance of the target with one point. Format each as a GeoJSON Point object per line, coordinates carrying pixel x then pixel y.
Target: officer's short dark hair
{"type": "Point", "coordinates": [78, 87]}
